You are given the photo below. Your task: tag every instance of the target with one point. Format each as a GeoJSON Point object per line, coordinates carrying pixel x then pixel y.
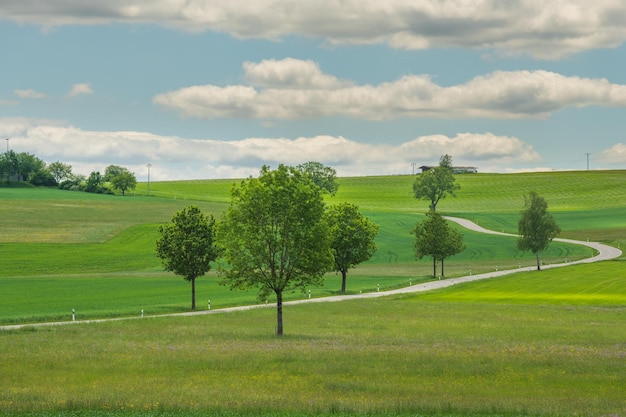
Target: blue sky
{"type": "Point", "coordinates": [214, 89]}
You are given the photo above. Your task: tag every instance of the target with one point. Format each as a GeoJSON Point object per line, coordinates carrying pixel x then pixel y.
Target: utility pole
{"type": "Point", "coordinates": [7, 139]}
{"type": "Point", "coordinates": [587, 153]}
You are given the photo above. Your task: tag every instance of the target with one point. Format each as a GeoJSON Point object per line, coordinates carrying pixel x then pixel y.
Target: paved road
{"type": "Point", "coordinates": [604, 252]}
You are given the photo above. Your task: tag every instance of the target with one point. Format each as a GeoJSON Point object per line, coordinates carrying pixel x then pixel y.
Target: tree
{"type": "Point", "coordinates": [186, 246]}
{"type": "Point", "coordinates": [123, 182]}
{"type": "Point", "coordinates": [4, 166]}
{"type": "Point", "coordinates": [436, 183]}
{"type": "Point", "coordinates": [323, 176]}
{"type": "Point", "coordinates": [95, 183]}
{"type": "Point", "coordinates": [352, 238]}
{"type": "Point", "coordinates": [536, 226]}
{"type": "Point", "coordinates": [10, 164]}
{"type": "Point", "coordinates": [44, 178]}
{"type": "Point", "coordinates": [60, 171]}
{"type": "Point", "coordinates": [274, 236]}
{"type": "Point", "coordinates": [112, 171]}
{"type": "Point", "coordinates": [28, 165]}
{"type": "Point", "coordinates": [435, 238]}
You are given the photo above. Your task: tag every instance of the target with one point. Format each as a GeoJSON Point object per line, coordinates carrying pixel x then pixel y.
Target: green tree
{"type": "Point", "coordinates": [4, 166]}
{"type": "Point", "coordinates": [436, 183]}
{"type": "Point", "coordinates": [536, 226]}
{"type": "Point", "coordinates": [10, 164]}
{"type": "Point", "coordinates": [323, 176]}
{"type": "Point", "coordinates": [60, 171]}
{"type": "Point", "coordinates": [123, 182]}
{"type": "Point", "coordinates": [187, 245]}
{"type": "Point", "coordinates": [95, 183]}
{"type": "Point", "coordinates": [352, 238]}
{"type": "Point", "coordinates": [44, 178]}
{"type": "Point", "coordinates": [28, 165]}
{"type": "Point", "coordinates": [435, 238]}
{"type": "Point", "coordinates": [112, 171]}
{"type": "Point", "coordinates": [274, 236]}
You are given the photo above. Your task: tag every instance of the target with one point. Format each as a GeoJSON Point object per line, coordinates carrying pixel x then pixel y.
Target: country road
{"type": "Point", "coordinates": [605, 252]}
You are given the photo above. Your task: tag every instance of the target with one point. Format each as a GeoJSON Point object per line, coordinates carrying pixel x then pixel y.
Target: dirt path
{"type": "Point", "coordinates": [605, 252]}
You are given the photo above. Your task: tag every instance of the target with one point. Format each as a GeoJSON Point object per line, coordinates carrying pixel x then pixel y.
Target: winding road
{"type": "Point", "coordinates": [604, 252]}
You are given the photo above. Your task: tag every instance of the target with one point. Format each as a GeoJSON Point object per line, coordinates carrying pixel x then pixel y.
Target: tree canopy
{"type": "Point", "coordinates": [186, 246]}
{"type": "Point", "coordinates": [352, 238]}
{"type": "Point", "coordinates": [274, 236]}
{"type": "Point", "coordinates": [435, 238]}
{"type": "Point", "coordinates": [323, 176]}
{"type": "Point", "coordinates": [536, 226]}
{"type": "Point", "coordinates": [436, 183]}
{"type": "Point", "coordinates": [123, 182]}
{"type": "Point", "coordinates": [60, 171]}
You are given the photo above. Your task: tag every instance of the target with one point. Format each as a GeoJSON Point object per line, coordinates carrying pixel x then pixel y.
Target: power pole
{"type": "Point", "coordinates": [587, 153]}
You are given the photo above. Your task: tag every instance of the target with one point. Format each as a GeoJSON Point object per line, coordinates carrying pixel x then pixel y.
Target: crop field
{"type": "Point", "coordinates": [549, 343]}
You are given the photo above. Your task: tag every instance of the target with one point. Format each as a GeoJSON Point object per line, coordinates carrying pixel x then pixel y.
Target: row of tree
{"type": "Point", "coordinates": [277, 235]}
{"type": "Point", "coordinates": [26, 167]}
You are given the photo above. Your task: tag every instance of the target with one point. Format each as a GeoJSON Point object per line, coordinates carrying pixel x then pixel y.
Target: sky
{"type": "Point", "coordinates": [202, 89]}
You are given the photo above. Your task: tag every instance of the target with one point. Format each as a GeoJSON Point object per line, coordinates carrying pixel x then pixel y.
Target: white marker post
{"type": "Point", "coordinates": [209, 305]}
{"type": "Point", "coordinates": [73, 315]}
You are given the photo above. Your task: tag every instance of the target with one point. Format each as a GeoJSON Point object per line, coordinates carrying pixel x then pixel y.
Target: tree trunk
{"type": "Point", "coordinates": [279, 313]}
{"type": "Point", "coordinates": [538, 262]}
{"type": "Point", "coordinates": [193, 293]}
{"type": "Point", "coordinates": [442, 273]}
{"type": "Point", "coordinates": [344, 273]}
{"type": "Point", "coordinates": [434, 267]}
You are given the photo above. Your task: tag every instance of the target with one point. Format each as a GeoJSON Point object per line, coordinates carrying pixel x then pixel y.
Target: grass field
{"type": "Point", "coordinates": [548, 343]}
{"type": "Point", "coordinates": [121, 275]}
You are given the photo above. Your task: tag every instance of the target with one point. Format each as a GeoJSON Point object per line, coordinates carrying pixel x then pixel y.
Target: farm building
{"type": "Point", "coordinates": [456, 170]}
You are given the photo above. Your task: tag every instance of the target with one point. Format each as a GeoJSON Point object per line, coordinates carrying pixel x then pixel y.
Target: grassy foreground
{"type": "Point", "coordinates": [548, 343]}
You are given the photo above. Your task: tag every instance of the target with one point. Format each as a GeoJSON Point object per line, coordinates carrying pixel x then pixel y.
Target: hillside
{"type": "Point", "coordinates": [97, 252]}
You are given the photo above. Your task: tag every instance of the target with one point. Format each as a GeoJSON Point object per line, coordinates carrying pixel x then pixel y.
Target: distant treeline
{"type": "Point", "coordinates": [29, 168]}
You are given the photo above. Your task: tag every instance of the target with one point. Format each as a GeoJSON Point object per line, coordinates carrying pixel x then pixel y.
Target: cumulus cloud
{"type": "Point", "coordinates": [177, 158]}
{"type": "Point", "coordinates": [295, 89]}
{"type": "Point", "coordinates": [29, 94]}
{"type": "Point", "coordinates": [80, 89]}
{"type": "Point", "coordinates": [616, 154]}
{"type": "Point", "coordinates": [546, 30]}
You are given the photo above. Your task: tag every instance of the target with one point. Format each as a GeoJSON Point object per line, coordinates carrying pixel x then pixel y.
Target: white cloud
{"type": "Point", "coordinates": [547, 30]}
{"type": "Point", "coordinates": [80, 89]}
{"type": "Point", "coordinates": [616, 154]}
{"type": "Point", "coordinates": [295, 89]}
{"type": "Point", "coordinates": [30, 93]}
{"type": "Point", "coordinates": [177, 158]}
{"type": "Point", "coordinates": [290, 73]}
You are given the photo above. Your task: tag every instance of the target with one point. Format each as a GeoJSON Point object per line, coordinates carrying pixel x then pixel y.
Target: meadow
{"type": "Point", "coordinates": [96, 253]}
{"type": "Point", "coordinates": [549, 343]}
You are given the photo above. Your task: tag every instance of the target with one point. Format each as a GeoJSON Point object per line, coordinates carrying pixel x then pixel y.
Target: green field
{"type": "Point", "coordinates": [104, 245]}
{"type": "Point", "coordinates": [549, 343]}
